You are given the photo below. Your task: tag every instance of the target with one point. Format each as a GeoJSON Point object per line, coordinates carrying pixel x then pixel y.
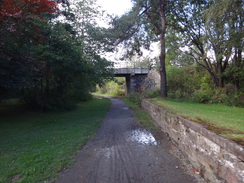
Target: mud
{"type": "Point", "coordinates": [123, 152]}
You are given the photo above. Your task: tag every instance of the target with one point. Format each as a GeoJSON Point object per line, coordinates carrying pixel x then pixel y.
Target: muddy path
{"type": "Point", "coordinates": [123, 152]}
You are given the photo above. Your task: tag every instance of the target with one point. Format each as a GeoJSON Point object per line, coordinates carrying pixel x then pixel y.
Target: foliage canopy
{"type": "Point", "coordinates": [47, 61]}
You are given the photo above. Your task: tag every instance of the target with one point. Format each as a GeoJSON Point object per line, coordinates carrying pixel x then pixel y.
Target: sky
{"type": "Point", "coordinates": [119, 7]}
{"type": "Point", "coordinates": [116, 7]}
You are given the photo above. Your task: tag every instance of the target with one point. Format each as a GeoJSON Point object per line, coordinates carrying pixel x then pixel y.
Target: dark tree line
{"type": "Point", "coordinates": [42, 59]}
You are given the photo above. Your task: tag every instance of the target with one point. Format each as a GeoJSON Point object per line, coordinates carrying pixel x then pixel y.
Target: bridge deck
{"type": "Point", "coordinates": [129, 71]}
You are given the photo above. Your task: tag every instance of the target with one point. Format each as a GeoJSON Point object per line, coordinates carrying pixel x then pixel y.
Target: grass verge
{"type": "Point", "coordinates": [103, 95]}
{"type": "Point", "coordinates": [144, 118]}
{"type": "Point", "coordinates": [221, 119]}
{"type": "Point", "coordinates": [35, 146]}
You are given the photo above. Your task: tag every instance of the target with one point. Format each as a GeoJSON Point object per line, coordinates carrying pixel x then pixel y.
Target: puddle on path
{"type": "Point", "coordinates": [143, 136]}
{"type": "Point", "coordinates": [125, 108]}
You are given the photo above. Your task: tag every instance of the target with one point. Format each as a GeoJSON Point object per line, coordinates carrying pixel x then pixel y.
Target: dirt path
{"type": "Point", "coordinates": [122, 152]}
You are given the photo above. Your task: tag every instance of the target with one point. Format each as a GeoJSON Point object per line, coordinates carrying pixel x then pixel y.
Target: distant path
{"type": "Point", "coordinates": [122, 152]}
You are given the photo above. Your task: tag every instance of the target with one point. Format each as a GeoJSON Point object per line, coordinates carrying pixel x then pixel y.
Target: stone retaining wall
{"type": "Point", "coordinates": [217, 159]}
{"type": "Point", "coordinates": [152, 81]}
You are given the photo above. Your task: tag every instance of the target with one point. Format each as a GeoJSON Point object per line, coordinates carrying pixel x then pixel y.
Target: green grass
{"type": "Point", "coordinates": [143, 117]}
{"type": "Point", "coordinates": [97, 94]}
{"type": "Point", "coordinates": [102, 95]}
{"type": "Point", "coordinates": [221, 119]}
{"type": "Point", "coordinates": [35, 146]}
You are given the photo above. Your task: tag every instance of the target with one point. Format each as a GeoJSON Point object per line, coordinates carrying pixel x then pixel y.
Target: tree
{"type": "Point", "coordinates": [90, 35]}
{"type": "Point", "coordinates": [62, 72]}
{"type": "Point", "coordinates": [210, 39]}
{"type": "Point", "coordinates": [86, 14]}
{"type": "Point", "coordinates": [230, 25]}
{"type": "Point", "coordinates": [19, 30]}
{"type": "Point", "coordinates": [45, 59]}
{"type": "Point", "coordinates": [163, 90]}
{"type": "Point", "coordinates": [142, 62]}
{"type": "Point", "coordinates": [145, 23]}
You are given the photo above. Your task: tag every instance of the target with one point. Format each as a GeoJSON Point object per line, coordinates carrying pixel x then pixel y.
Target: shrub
{"type": "Point", "coordinates": [119, 93]}
{"type": "Point", "coordinates": [227, 95]}
{"type": "Point", "coordinates": [115, 88]}
{"type": "Point", "coordinates": [233, 100]}
{"type": "Point", "coordinates": [135, 97]}
{"type": "Point", "coordinates": [151, 93]}
{"type": "Point", "coordinates": [201, 97]}
{"type": "Point", "coordinates": [182, 82]}
{"type": "Point", "coordinates": [218, 95]}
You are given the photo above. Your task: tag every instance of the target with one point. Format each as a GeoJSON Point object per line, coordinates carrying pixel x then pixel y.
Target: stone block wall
{"type": "Point", "coordinates": [218, 160]}
{"type": "Point", "coordinates": [152, 81]}
{"type": "Point", "coordinates": [136, 81]}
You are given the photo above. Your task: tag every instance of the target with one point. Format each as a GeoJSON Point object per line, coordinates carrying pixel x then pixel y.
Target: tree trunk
{"type": "Point", "coordinates": [163, 86]}
{"type": "Point", "coordinates": [217, 81]}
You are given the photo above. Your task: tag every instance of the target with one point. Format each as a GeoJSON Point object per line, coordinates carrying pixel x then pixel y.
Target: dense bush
{"type": "Point", "coordinates": [135, 97]}
{"type": "Point", "coordinates": [182, 82]}
{"type": "Point", "coordinates": [193, 83]}
{"type": "Point", "coordinates": [201, 97]}
{"type": "Point", "coordinates": [114, 88]}
{"type": "Point", "coordinates": [151, 93]}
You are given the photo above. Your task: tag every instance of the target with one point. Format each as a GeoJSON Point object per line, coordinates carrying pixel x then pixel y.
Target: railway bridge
{"type": "Point", "coordinates": [133, 77]}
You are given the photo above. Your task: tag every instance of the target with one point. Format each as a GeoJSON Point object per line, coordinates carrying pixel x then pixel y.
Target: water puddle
{"type": "Point", "coordinates": [143, 137]}
{"type": "Point", "coordinates": [125, 108]}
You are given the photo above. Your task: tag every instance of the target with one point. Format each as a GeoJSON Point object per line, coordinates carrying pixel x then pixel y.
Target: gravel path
{"type": "Point", "coordinates": [123, 152]}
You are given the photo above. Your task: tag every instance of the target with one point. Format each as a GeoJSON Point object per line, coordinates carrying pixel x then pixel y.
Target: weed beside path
{"type": "Point", "coordinates": [144, 118]}
{"type": "Point", "coordinates": [224, 120]}
{"type": "Point", "coordinates": [35, 146]}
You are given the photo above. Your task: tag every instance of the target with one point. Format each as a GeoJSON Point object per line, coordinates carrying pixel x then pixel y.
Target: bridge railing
{"type": "Point", "coordinates": [131, 71]}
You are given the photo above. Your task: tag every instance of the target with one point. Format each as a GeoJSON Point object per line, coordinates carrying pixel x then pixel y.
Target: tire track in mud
{"type": "Point", "coordinates": [123, 152]}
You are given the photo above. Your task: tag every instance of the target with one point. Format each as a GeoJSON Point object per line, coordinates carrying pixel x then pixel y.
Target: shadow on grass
{"type": "Point", "coordinates": [35, 146]}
